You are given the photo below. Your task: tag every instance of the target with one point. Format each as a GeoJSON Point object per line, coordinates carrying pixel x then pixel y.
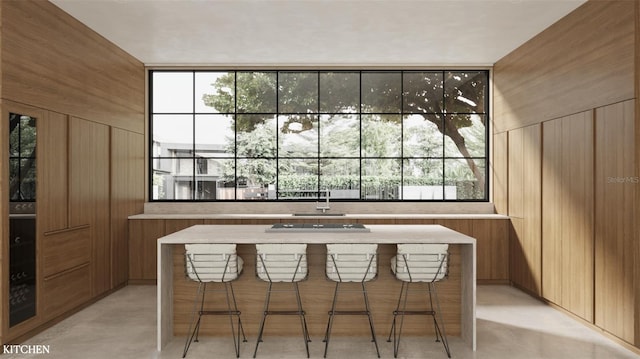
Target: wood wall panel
{"type": "Point", "coordinates": [581, 62]}
{"type": "Point", "coordinates": [637, 165]}
{"type": "Point", "coordinates": [53, 190]}
{"type": "Point", "coordinates": [551, 216]}
{"type": "Point", "coordinates": [500, 173]}
{"type": "Point", "coordinates": [516, 173]}
{"type": "Point", "coordinates": [89, 197]}
{"type": "Point", "coordinates": [525, 186]}
{"type": "Point", "coordinates": [316, 293]}
{"type": "Point", "coordinates": [567, 220]}
{"type": "Point", "coordinates": [615, 219]}
{"type": "Point", "coordinates": [52, 61]}
{"type": "Point", "coordinates": [127, 196]}
{"type": "Point", "coordinates": [578, 214]}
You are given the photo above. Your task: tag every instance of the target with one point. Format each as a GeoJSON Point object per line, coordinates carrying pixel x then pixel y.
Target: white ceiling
{"type": "Point", "coordinates": [318, 32]}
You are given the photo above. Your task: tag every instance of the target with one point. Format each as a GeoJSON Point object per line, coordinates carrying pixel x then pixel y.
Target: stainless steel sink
{"type": "Point", "coordinates": [318, 214]}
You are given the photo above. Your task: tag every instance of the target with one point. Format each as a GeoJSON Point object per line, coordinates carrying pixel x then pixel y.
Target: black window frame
{"type": "Point", "coordinates": [320, 192]}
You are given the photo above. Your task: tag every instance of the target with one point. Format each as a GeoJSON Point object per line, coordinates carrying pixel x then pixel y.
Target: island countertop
{"type": "Point", "coordinates": [381, 234]}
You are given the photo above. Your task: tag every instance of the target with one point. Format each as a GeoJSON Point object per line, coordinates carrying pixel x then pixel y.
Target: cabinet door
{"type": "Point", "coordinates": [615, 221]}
{"type": "Point", "coordinates": [53, 208]}
{"type": "Point", "coordinates": [89, 193]}
{"type": "Point", "coordinates": [127, 196]}
{"type": "Point", "coordinates": [143, 236]}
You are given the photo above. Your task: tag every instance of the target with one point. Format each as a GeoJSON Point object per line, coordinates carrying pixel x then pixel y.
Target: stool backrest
{"type": "Point", "coordinates": [352, 262]}
{"type": "Point", "coordinates": [423, 262]}
{"type": "Point", "coordinates": [212, 262]}
{"type": "Point", "coordinates": [277, 262]}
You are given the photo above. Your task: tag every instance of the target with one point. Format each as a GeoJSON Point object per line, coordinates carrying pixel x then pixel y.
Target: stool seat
{"type": "Point", "coordinates": [282, 263]}
{"type": "Point", "coordinates": [351, 263]}
{"type": "Point", "coordinates": [413, 264]}
{"type": "Point", "coordinates": [213, 263]}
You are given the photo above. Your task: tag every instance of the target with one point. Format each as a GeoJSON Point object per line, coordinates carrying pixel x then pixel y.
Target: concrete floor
{"type": "Point", "coordinates": [511, 325]}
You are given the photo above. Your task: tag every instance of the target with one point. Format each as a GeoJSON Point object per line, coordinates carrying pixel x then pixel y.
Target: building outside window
{"type": "Point", "coordinates": [295, 135]}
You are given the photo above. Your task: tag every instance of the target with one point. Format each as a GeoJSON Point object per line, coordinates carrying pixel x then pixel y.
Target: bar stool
{"type": "Point", "coordinates": [282, 263]}
{"type": "Point", "coordinates": [217, 263]}
{"type": "Point", "coordinates": [419, 263]}
{"type": "Point", "coordinates": [356, 263]}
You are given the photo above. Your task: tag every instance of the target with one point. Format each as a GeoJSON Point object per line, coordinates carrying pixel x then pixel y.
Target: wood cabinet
{"type": "Point", "coordinates": [567, 220]}
{"type": "Point", "coordinates": [615, 219]}
{"type": "Point", "coordinates": [127, 196]}
{"type": "Point", "coordinates": [525, 201]}
{"type": "Point", "coordinates": [89, 155]}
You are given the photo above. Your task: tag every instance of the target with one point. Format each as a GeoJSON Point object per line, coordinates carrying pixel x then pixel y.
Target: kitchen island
{"type": "Point", "coordinates": [459, 290]}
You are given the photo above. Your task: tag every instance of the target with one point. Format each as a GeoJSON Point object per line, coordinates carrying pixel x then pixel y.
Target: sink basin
{"type": "Point", "coordinates": [318, 214]}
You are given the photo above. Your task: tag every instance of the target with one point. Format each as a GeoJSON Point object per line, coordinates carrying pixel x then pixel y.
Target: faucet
{"type": "Point", "coordinates": [326, 207]}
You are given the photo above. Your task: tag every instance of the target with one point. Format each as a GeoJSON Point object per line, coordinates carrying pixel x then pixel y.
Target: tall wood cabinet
{"type": "Point", "coordinates": [567, 218]}
{"type": "Point", "coordinates": [615, 219]}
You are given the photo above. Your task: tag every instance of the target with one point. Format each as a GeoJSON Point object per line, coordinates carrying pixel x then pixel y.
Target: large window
{"type": "Point", "coordinates": [291, 135]}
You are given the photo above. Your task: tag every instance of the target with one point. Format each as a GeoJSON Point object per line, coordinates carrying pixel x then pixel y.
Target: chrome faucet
{"type": "Point", "coordinates": [326, 207]}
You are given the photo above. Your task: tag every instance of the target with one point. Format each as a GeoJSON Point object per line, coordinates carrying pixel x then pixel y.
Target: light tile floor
{"type": "Point", "coordinates": [511, 325]}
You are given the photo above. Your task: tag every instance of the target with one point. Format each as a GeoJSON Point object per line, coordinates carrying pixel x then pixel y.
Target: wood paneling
{"type": "Point", "coordinates": [66, 291]}
{"type": "Point", "coordinates": [127, 196]}
{"type": "Point", "coordinates": [516, 173]}
{"type": "Point", "coordinates": [492, 249]}
{"type": "Point", "coordinates": [89, 152]}
{"type": "Point", "coordinates": [584, 61]}
{"type": "Point", "coordinates": [52, 61]}
{"type": "Point", "coordinates": [525, 186]}
{"type": "Point", "coordinates": [316, 293]}
{"type": "Point", "coordinates": [64, 250]}
{"type": "Point", "coordinates": [143, 235]}
{"type": "Point", "coordinates": [636, 261]}
{"type": "Point", "coordinates": [500, 172]}
{"type": "Point", "coordinates": [615, 219]}
{"type": "Point", "coordinates": [53, 187]}
{"type": "Point", "coordinates": [567, 219]}
{"type": "Point", "coordinates": [551, 216]}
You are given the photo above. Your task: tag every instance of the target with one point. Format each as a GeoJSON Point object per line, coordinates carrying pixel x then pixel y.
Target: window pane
{"type": "Point", "coordinates": [256, 136]}
{"type": "Point", "coordinates": [168, 184]}
{"type": "Point", "coordinates": [422, 180]}
{"type": "Point", "coordinates": [381, 179]}
{"type": "Point", "coordinates": [339, 92]}
{"type": "Point", "coordinates": [381, 92]}
{"type": "Point", "coordinates": [258, 179]}
{"type": "Point", "coordinates": [422, 92]}
{"type": "Point", "coordinates": [214, 135]}
{"type": "Point", "coordinates": [341, 177]}
{"type": "Point", "coordinates": [298, 92]}
{"type": "Point", "coordinates": [224, 171]}
{"type": "Point", "coordinates": [171, 134]}
{"type": "Point", "coordinates": [339, 136]}
{"type": "Point", "coordinates": [172, 92]}
{"type": "Point", "coordinates": [467, 177]}
{"type": "Point", "coordinates": [298, 136]}
{"type": "Point", "coordinates": [421, 136]}
{"type": "Point", "coordinates": [215, 92]}
{"type": "Point", "coordinates": [298, 179]}
{"type": "Point", "coordinates": [466, 136]}
{"type": "Point", "coordinates": [465, 91]}
{"type": "Point", "coordinates": [381, 135]}
{"type": "Point", "coordinates": [256, 92]}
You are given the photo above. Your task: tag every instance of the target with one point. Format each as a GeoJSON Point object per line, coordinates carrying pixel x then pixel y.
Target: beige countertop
{"type": "Point", "coordinates": [281, 216]}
